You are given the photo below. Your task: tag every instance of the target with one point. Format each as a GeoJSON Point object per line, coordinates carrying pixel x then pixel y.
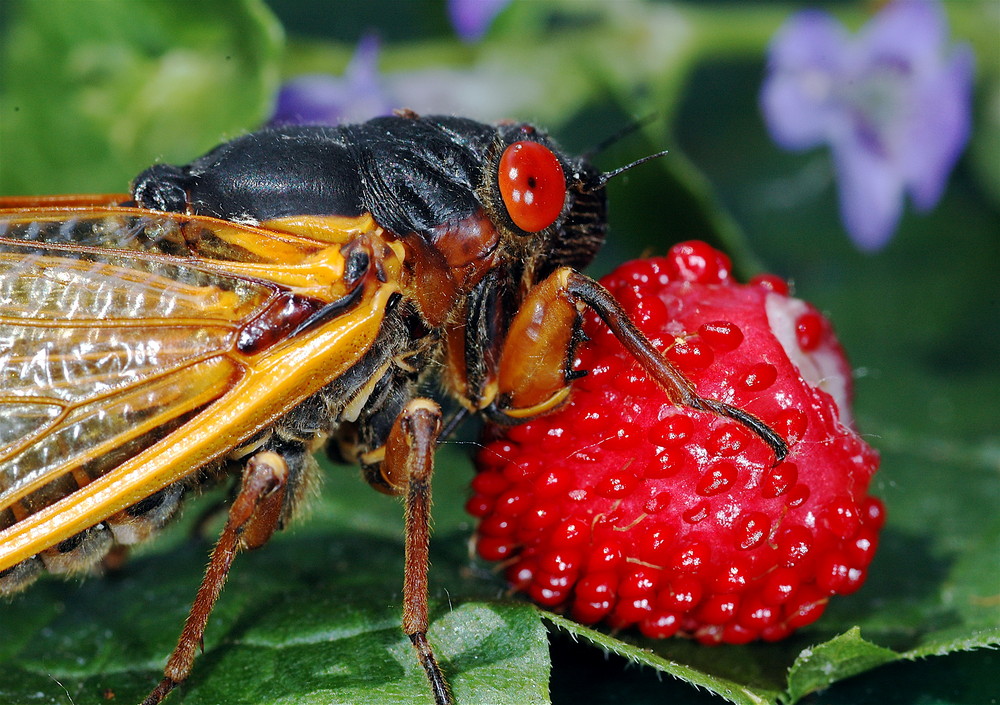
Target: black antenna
{"type": "Point", "coordinates": [607, 176]}
{"type": "Point", "coordinates": [633, 126]}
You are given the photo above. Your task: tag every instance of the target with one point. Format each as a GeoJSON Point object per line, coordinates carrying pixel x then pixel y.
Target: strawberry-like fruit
{"type": "Point", "coordinates": [623, 508]}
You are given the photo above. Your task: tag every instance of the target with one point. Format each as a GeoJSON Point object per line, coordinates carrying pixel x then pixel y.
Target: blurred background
{"type": "Point", "coordinates": [890, 227]}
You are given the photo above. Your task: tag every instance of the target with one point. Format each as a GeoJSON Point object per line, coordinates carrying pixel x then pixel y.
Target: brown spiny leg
{"type": "Point", "coordinates": [405, 470]}
{"type": "Point", "coordinates": [253, 517]}
{"type": "Point", "coordinates": [535, 361]}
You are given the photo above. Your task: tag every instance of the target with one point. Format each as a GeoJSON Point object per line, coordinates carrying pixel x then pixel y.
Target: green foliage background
{"type": "Point", "coordinates": [92, 91]}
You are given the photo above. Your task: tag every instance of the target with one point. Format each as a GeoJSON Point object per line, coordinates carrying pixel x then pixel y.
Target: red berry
{"type": "Point", "coordinates": [625, 509]}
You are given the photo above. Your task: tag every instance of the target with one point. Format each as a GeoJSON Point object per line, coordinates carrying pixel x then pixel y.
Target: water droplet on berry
{"type": "Point", "coordinates": [496, 525]}
{"type": "Point", "coordinates": [718, 609]}
{"type": "Point", "coordinates": [736, 633]}
{"type": "Point", "coordinates": [666, 463]}
{"type": "Point", "coordinates": [553, 483]}
{"type": "Point", "coordinates": [640, 582]}
{"type": "Point", "coordinates": [806, 608]}
{"type": "Point", "coordinates": [691, 557]}
{"type": "Point", "coordinates": [771, 282]}
{"type": "Point", "coordinates": [794, 544]}
{"type": "Point", "coordinates": [520, 574]}
{"type": "Point", "coordinates": [494, 548]}
{"type": "Point", "coordinates": [525, 469]}
{"type": "Point", "coordinates": [660, 625]}
{"type": "Point", "coordinates": [873, 513]}
{"type": "Point", "coordinates": [557, 562]}
{"type": "Point", "coordinates": [539, 518]}
{"type": "Point", "coordinates": [478, 506]}
{"type": "Point", "coordinates": [657, 503]}
{"type": "Point", "coordinates": [723, 336]}
{"type": "Point", "coordinates": [633, 382]}
{"type": "Point", "coordinates": [683, 595]}
{"type": "Point", "coordinates": [779, 479]}
{"type": "Point", "coordinates": [628, 612]}
{"type": "Point", "coordinates": [690, 354]}
{"type": "Point", "coordinates": [862, 548]}
{"type": "Point", "coordinates": [597, 586]}
{"type": "Point", "coordinates": [637, 272]}
{"type": "Point", "coordinates": [841, 516]}
{"type": "Point", "coordinates": [733, 577]}
{"type": "Point", "coordinates": [728, 440]}
{"type": "Point", "coordinates": [751, 530]}
{"type": "Point", "coordinates": [675, 429]}
{"type": "Point", "coordinates": [572, 533]}
{"type": "Point", "coordinates": [624, 437]}
{"type": "Point", "coordinates": [780, 585]}
{"type": "Point", "coordinates": [495, 455]}
{"type": "Point", "coordinates": [605, 556]}
{"type": "Point", "coordinates": [512, 503]}
{"type": "Point", "coordinates": [696, 261]}
{"type": "Point", "coordinates": [791, 425]}
{"type": "Point", "coordinates": [586, 612]}
{"type": "Point", "coordinates": [654, 543]}
{"type": "Point", "coordinates": [650, 314]}
{"type": "Point", "coordinates": [760, 376]}
{"type": "Point", "coordinates": [546, 596]}
{"type": "Point", "coordinates": [617, 484]}
{"type": "Point", "coordinates": [809, 328]}
{"type": "Point", "coordinates": [796, 496]}
{"type": "Point", "coordinates": [697, 513]}
{"type": "Point", "coordinates": [755, 614]}
{"type": "Point", "coordinates": [717, 479]}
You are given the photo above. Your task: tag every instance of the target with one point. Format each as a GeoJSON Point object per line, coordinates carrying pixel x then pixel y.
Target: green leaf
{"type": "Point", "coordinates": [841, 657]}
{"type": "Point", "coordinates": [312, 618]}
{"type": "Point", "coordinates": [93, 92]}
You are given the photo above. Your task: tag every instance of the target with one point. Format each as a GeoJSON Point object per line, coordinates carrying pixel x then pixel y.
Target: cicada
{"type": "Point", "coordinates": [296, 287]}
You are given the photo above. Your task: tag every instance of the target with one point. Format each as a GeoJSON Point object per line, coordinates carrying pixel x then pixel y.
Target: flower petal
{"type": "Point", "coordinates": [471, 18]}
{"type": "Point", "coordinates": [805, 63]}
{"type": "Point", "coordinates": [871, 192]}
{"type": "Point", "coordinates": [938, 127]}
{"type": "Point", "coordinates": [328, 100]}
{"type": "Point", "coordinates": [910, 32]}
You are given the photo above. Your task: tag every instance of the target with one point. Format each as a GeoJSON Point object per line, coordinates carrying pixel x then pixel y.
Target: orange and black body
{"type": "Point", "coordinates": [294, 287]}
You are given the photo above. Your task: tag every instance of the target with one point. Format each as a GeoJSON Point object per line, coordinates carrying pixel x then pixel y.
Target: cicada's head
{"type": "Point", "coordinates": [538, 191]}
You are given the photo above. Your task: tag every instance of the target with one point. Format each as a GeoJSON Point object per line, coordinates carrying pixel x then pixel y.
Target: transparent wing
{"type": "Point", "coordinates": [107, 343]}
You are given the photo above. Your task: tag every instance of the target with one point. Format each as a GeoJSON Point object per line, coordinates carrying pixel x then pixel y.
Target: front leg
{"type": "Point", "coordinates": [403, 466]}
{"type": "Point", "coordinates": [536, 360]}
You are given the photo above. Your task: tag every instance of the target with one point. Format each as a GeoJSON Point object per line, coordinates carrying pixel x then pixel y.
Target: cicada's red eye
{"type": "Point", "coordinates": [532, 185]}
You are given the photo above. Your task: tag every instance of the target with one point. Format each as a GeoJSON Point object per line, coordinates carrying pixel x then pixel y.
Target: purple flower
{"type": "Point", "coordinates": [892, 102]}
{"type": "Point", "coordinates": [486, 92]}
{"type": "Point", "coordinates": [471, 18]}
{"type": "Point", "coordinates": [321, 99]}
